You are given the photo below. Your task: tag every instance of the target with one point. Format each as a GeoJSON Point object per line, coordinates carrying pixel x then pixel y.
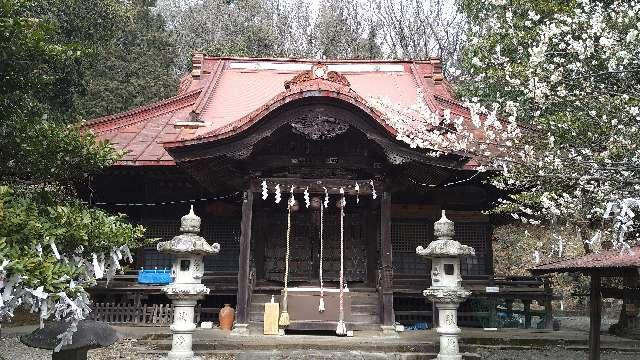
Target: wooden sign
{"type": "Point", "coordinates": [271, 314]}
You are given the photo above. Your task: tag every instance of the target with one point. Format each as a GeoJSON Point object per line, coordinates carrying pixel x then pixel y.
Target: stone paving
{"type": "Point", "coordinates": [147, 343]}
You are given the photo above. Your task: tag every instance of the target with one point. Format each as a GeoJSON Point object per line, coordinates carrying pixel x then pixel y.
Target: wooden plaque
{"type": "Point", "coordinates": [271, 314]}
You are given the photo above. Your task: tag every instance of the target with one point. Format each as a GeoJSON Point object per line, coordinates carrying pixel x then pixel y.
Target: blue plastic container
{"type": "Point", "coordinates": [154, 276]}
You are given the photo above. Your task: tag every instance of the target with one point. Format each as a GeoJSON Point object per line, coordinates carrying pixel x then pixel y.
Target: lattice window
{"type": "Point", "coordinates": [475, 235]}
{"type": "Point", "coordinates": [163, 230]}
{"type": "Point", "coordinates": [226, 233]}
{"type": "Point", "coordinates": [406, 235]}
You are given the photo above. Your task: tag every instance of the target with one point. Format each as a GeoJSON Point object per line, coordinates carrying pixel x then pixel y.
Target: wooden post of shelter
{"type": "Point", "coordinates": [548, 304]}
{"type": "Point", "coordinates": [595, 315]}
{"type": "Point", "coordinates": [242, 303]}
{"type": "Point", "coordinates": [388, 319]}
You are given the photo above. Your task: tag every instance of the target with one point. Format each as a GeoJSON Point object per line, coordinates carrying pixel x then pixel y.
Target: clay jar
{"type": "Point", "coordinates": [226, 317]}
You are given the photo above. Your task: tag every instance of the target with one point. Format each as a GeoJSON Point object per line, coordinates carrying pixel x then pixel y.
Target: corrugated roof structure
{"type": "Point", "coordinates": [602, 260]}
{"type": "Point", "coordinates": [222, 97]}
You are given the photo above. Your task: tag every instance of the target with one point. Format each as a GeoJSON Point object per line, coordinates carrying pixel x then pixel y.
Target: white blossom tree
{"type": "Point", "coordinates": [552, 89]}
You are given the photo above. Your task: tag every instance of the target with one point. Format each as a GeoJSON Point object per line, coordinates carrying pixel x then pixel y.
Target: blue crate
{"type": "Point", "coordinates": [154, 276]}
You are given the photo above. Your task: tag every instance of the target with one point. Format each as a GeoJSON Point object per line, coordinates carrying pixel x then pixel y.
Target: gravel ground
{"type": "Point", "coordinates": [12, 349]}
{"type": "Point", "coordinates": [552, 354]}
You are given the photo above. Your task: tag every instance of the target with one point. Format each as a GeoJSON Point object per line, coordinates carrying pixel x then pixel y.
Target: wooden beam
{"type": "Point", "coordinates": [386, 260]}
{"type": "Point", "coordinates": [242, 305]}
{"type": "Point", "coordinates": [595, 318]}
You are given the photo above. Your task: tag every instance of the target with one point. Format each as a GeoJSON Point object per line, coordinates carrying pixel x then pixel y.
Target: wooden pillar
{"type": "Point", "coordinates": [548, 306]}
{"type": "Point", "coordinates": [371, 236]}
{"type": "Point", "coordinates": [595, 318]}
{"type": "Point", "coordinates": [527, 313]}
{"type": "Point", "coordinates": [242, 306]}
{"type": "Point", "coordinates": [388, 318]}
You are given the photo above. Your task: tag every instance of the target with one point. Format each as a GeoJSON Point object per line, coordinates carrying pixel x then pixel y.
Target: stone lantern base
{"type": "Point", "coordinates": [447, 302]}
{"type": "Point", "coordinates": [184, 300]}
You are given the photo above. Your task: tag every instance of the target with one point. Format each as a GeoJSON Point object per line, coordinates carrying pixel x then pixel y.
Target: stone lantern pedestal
{"type": "Point", "coordinates": [187, 270]}
{"type": "Point", "coordinates": [446, 291]}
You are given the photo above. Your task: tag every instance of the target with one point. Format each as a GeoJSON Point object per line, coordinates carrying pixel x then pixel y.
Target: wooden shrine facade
{"type": "Point", "coordinates": [238, 123]}
{"type": "Point", "coordinates": [347, 149]}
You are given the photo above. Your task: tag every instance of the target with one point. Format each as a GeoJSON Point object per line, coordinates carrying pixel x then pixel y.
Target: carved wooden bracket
{"type": "Point", "coordinates": [318, 71]}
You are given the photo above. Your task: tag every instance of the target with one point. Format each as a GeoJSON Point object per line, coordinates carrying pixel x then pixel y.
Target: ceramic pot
{"type": "Point", "coordinates": [226, 317]}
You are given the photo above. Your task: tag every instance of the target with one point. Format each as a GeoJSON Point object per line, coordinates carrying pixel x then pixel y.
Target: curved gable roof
{"type": "Point", "coordinates": [224, 96]}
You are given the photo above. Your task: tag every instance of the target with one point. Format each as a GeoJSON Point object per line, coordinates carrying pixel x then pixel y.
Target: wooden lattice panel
{"type": "Point", "coordinates": [475, 235]}
{"type": "Point", "coordinates": [406, 235]}
{"type": "Point", "coordinates": [304, 246]}
{"type": "Point", "coordinates": [225, 233]}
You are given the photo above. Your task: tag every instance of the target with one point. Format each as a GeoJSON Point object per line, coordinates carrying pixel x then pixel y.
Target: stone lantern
{"type": "Point", "coordinates": [446, 290]}
{"type": "Point", "coordinates": [188, 250]}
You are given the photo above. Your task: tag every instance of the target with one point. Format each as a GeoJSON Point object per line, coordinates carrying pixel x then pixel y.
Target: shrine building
{"type": "Point", "coordinates": [241, 135]}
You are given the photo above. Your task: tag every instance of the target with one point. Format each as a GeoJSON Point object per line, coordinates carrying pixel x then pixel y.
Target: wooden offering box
{"type": "Point", "coordinates": [303, 308]}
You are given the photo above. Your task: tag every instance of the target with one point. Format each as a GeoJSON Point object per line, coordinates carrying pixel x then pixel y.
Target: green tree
{"type": "Point", "coordinates": [135, 66]}
{"type": "Point", "coordinates": [222, 28]}
{"type": "Point", "coordinates": [48, 238]}
{"type": "Point", "coordinates": [343, 30]}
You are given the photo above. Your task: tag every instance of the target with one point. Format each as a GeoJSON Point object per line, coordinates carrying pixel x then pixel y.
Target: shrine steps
{"type": "Point", "coordinates": [326, 354]}
{"type": "Point", "coordinates": [255, 346]}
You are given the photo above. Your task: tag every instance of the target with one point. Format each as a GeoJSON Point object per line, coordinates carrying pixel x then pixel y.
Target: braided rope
{"type": "Point", "coordinates": [284, 316]}
{"type": "Point", "coordinates": [321, 306]}
{"type": "Point", "coordinates": [286, 258]}
{"type": "Point", "coordinates": [341, 329]}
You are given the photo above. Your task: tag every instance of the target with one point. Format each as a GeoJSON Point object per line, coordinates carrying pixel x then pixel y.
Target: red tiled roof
{"type": "Point", "coordinates": [230, 94]}
{"type": "Point", "coordinates": [602, 260]}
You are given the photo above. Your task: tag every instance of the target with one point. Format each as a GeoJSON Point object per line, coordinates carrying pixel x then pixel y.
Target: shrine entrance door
{"type": "Point", "coordinates": [304, 258]}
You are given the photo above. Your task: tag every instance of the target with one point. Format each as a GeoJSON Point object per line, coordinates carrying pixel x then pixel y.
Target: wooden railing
{"type": "Point", "coordinates": [484, 297]}
{"type": "Point", "coordinates": [219, 282]}
{"type": "Point", "coordinates": [145, 314]}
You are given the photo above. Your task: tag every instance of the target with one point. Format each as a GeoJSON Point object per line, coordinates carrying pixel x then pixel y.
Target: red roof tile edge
{"type": "Point", "coordinates": [141, 109]}
{"type": "Point", "coordinates": [601, 260]}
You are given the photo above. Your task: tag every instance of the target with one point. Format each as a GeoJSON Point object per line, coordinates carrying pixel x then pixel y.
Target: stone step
{"type": "Point", "coordinates": [328, 342]}
{"type": "Point", "coordinates": [311, 355]}
{"type": "Point", "coordinates": [364, 309]}
{"type": "Point", "coordinates": [365, 318]}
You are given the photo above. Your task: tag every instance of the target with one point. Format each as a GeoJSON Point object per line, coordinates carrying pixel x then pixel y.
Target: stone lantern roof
{"type": "Point", "coordinates": [445, 246]}
{"type": "Point", "coordinates": [189, 241]}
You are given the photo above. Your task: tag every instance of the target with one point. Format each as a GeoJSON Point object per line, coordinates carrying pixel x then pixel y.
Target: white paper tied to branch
{"type": "Point", "coordinates": [97, 269]}
{"type": "Point", "coordinates": [3, 272]}
{"type": "Point", "coordinates": [265, 190]}
{"type": "Point", "coordinates": [39, 292]}
{"type": "Point", "coordinates": [357, 188]}
{"type": "Point", "coordinates": [115, 261]}
{"type": "Point", "coordinates": [7, 294]}
{"type": "Point", "coordinates": [536, 257]}
{"type": "Point", "coordinates": [595, 239]}
{"type": "Point", "coordinates": [38, 248]}
{"type": "Point", "coordinates": [126, 252]}
{"type": "Point", "coordinates": [54, 248]}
